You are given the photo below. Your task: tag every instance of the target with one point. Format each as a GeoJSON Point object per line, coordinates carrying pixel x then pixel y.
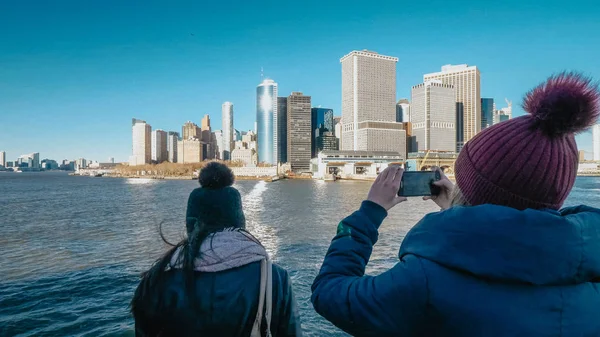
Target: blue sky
{"type": "Point", "coordinates": [74, 73]}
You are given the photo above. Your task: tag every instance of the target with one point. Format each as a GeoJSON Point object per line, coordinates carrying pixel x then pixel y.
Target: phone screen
{"type": "Point", "coordinates": [417, 183]}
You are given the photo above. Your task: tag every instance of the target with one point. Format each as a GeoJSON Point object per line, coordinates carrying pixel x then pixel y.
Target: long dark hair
{"type": "Point", "coordinates": [153, 280]}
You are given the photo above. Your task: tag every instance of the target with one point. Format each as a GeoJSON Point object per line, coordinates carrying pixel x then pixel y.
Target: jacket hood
{"type": "Point", "coordinates": [223, 251]}
{"type": "Point", "coordinates": [541, 247]}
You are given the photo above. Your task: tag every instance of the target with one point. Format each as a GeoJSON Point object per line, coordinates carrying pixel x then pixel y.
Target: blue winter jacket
{"type": "Point", "coordinates": [468, 271]}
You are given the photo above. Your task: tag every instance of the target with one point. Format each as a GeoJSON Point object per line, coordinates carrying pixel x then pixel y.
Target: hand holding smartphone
{"type": "Point", "coordinates": [419, 183]}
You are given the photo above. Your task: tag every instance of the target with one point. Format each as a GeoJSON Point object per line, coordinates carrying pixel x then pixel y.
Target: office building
{"type": "Point", "coordinates": [369, 103]}
{"type": "Point", "coordinates": [282, 156]}
{"type": "Point", "coordinates": [266, 122]}
{"type": "Point", "coordinates": [488, 108]}
{"type": "Point", "coordinates": [596, 142]}
{"type": "Point", "coordinates": [321, 122]}
{"type": "Point", "coordinates": [30, 161]}
{"type": "Point", "coordinates": [111, 160]}
{"type": "Point", "coordinates": [3, 158]}
{"type": "Point", "coordinates": [411, 140]}
{"type": "Point", "coordinates": [208, 138]}
{"type": "Point", "coordinates": [298, 131]}
{"type": "Point", "coordinates": [403, 111]}
{"type": "Point", "coordinates": [467, 85]}
{"type": "Point", "coordinates": [159, 146]}
{"type": "Point", "coordinates": [503, 114]}
{"type": "Point", "coordinates": [337, 129]}
{"type": "Point", "coordinates": [190, 130]}
{"type": "Point", "coordinates": [228, 132]}
{"type": "Point", "coordinates": [141, 152]}
{"type": "Point", "coordinates": [218, 140]}
{"type": "Point", "coordinates": [172, 139]}
{"type": "Point", "coordinates": [49, 164]}
{"type": "Point", "coordinates": [237, 135]}
{"type": "Point", "coordinates": [581, 156]}
{"type": "Point", "coordinates": [327, 142]}
{"type": "Point", "coordinates": [434, 116]}
{"type": "Point", "coordinates": [460, 134]}
{"type": "Point", "coordinates": [247, 157]}
{"type": "Point", "coordinates": [189, 151]}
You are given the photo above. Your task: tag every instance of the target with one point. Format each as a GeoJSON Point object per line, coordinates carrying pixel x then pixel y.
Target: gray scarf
{"type": "Point", "coordinates": [223, 251]}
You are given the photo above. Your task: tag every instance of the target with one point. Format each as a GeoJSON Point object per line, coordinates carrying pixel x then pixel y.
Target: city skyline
{"type": "Point", "coordinates": [74, 75]}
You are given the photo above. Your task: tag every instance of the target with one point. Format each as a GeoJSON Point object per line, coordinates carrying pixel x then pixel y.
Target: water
{"type": "Point", "coordinates": [72, 247]}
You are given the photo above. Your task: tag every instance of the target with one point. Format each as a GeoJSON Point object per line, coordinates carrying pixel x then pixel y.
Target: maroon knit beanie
{"type": "Point", "coordinates": [531, 161]}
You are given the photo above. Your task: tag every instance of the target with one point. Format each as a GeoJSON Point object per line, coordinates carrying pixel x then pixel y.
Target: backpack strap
{"type": "Point", "coordinates": [265, 299]}
{"type": "Point", "coordinates": [269, 295]}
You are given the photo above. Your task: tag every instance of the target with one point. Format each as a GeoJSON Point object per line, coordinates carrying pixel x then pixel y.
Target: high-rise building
{"type": "Point", "coordinates": [237, 135]}
{"type": "Point", "coordinates": [218, 140]}
{"type": "Point", "coordinates": [460, 126]}
{"type": "Point", "coordinates": [369, 103]}
{"type": "Point", "coordinates": [3, 158]}
{"type": "Point", "coordinates": [30, 161]}
{"type": "Point", "coordinates": [228, 136]}
{"type": "Point", "coordinates": [581, 156]}
{"type": "Point", "coordinates": [467, 83]}
{"type": "Point", "coordinates": [190, 130]}
{"type": "Point", "coordinates": [403, 111]}
{"type": "Point", "coordinates": [247, 157]}
{"type": "Point", "coordinates": [189, 151]}
{"type": "Point", "coordinates": [503, 114]}
{"type": "Point", "coordinates": [172, 139]}
{"type": "Point", "coordinates": [81, 163]}
{"type": "Point", "coordinates": [282, 155]}
{"type": "Point", "coordinates": [111, 160]}
{"type": "Point", "coordinates": [321, 123]}
{"type": "Point", "coordinates": [488, 108]}
{"type": "Point", "coordinates": [266, 122]}
{"type": "Point", "coordinates": [159, 146]}
{"type": "Point", "coordinates": [337, 128]}
{"type": "Point", "coordinates": [208, 138]}
{"type": "Point", "coordinates": [298, 131]}
{"type": "Point", "coordinates": [434, 116]}
{"type": "Point", "coordinates": [596, 142]}
{"type": "Point", "coordinates": [141, 152]}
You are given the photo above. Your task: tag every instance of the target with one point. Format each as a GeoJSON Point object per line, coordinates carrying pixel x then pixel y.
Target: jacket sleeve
{"type": "Point", "coordinates": [392, 303]}
{"type": "Point", "coordinates": [289, 319]}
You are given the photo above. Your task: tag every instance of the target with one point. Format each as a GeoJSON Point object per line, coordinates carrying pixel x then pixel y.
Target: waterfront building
{"type": "Point", "coordinates": [403, 111]}
{"type": "Point", "coordinates": [467, 85]}
{"type": "Point", "coordinates": [353, 164]}
{"type": "Point", "coordinates": [10, 164]}
{"type": "Point", "coordinates": [327, 142]}
{"type": "Point", "coordinates": [321, 122]}
{"type": "Point", "coordinates": [228, 131]}
{"type": "Point", "coordinates": [596, 142]}
{"type": "Point", "coordinates": [434, 116]}
{"type": "Point", "coordinates": [282, 154]}
{"type": "Point", "coordinates": [111, 160]}
{"type": "Point", "coordinates": [141, 152]}
{"type": "Point", "coordinates": [488, 108]}
{"type": "Point", "coordinates": [3, 158]}
{"type": "Point", "coordinates": [172, 139]}
{"type": "Point", "coordinates": [337, 130]}
{"type": "Point", "coordinates": [298, 131]}
{"type": "Point", "coordinates": [49, 164]}
{"type": "Point", "coordinates": [81, 163]}
{"type": "Point", "coordinates": [369, 103]}
{"type": "Point", "coordinates": [247, 157]}
{"type": "Point", "coordinates": [581, 156]}
{"type": "Point", "coordinates": [189, 151]}
{"type": "Point", "coordinates": [190, 130]}
{"type": "Point", "coordinates": [267, 122]}
{"type": "Point", "coordinates": [29, 162]}
{"type": "Point", "coordinates": [208, 138]}
{"type": "Point", "coordinates": [159, 146]}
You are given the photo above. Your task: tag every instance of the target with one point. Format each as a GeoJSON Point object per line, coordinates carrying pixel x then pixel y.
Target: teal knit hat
{"type": "Point", "coordinates": [216, 204]}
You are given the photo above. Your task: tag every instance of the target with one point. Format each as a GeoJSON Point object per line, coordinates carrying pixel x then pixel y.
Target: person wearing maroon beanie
{"type": "Point", "coordinates": [501, 258]}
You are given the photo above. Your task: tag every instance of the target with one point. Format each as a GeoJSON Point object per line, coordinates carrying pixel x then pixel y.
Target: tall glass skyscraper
{"type": "Point", "coordinates": [228, 137]}
{"type": "Point", "coordinates": [266, 121]}
{"type": "Point", "coordinates": [487, 112]}
{"type": "Point", "coordinates": [321, 122]}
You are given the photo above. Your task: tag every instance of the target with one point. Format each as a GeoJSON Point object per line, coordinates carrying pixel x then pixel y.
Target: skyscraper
{"type": "Point", "coordinates": [190, 130]}
{"type": "Point", "coordinates": [298, 131]}
{"type": "Point", "coordinates": [321, 122]}
{"type": "Point", "coordinates": [189, 151]}
{"type": "Point", "coordinates": [488, 108]}
{"type": "Point", "coordinates": [208, 138]}
{"type": "Point", "coordinates": [467, 83]}
{"type": "Point", "coordinates": [172, 139]}
{"type": "Point", "coordinates": [282, 130]}
{"type": "Point", "coordinates": [503, 114]}
{"type": "Point", "coordinates": [369, 103]}
{"type": "Point", "coordinates": [228, 138]}
{"type": "Point", "coordinates": [218, 140]}
{"type": "Point", "coordinates": [433, 116]}
{"type": "Point", "coordinates": [337, 127]}
{"type": "Point", "coordinates": [596, 142]}
{"type": "Point", "coordinates": [159, 146]}
{"type": "Point", "coordinates": [266, 121]}
{"type": "Point", "coordinates": [3, 158]}
{"type": "Point", "coordinates": [403, 111]}
{"type": "Point", "coordinates": [141, 152]}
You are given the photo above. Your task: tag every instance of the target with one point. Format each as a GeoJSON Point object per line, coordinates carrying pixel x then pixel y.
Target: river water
{"type": "Point", "coordinates": [72, 247]}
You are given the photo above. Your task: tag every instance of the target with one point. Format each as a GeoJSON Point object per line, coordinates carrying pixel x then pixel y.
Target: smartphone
{"type": "Point", "coordinates": [419, 183]}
